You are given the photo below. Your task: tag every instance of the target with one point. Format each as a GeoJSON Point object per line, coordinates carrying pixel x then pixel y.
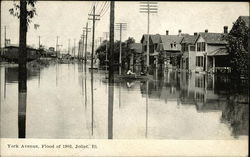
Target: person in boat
{"type": "Point", "coordinates": [130, 72]}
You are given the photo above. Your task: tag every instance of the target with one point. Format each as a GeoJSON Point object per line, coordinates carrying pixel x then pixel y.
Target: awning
{"type": "Point", "coordinates": [218, 52]}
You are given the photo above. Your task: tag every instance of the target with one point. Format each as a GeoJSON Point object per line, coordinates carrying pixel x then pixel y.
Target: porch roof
{"type": "Point", "coordinates": [218, 52]}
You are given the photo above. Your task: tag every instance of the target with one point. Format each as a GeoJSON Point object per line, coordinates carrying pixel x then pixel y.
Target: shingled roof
{"type": "Point", "coordinates": [166, 43]}
{"type": "Point", "coordinates": [155, 38]}
{"type": "Point", "coordinates": [189, 39]}
{"type": "Point", "coordinates": [213, 38]}
{"type": "Point", "coordinates": [137, 47]}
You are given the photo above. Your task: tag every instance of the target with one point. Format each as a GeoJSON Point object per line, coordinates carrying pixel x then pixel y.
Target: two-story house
{"type": "Point", "coordinates": [170, 48]}
{"type": "Point", "coordinates": [210, 51]}
{"type": "Point", "coordinates": [154, 40]}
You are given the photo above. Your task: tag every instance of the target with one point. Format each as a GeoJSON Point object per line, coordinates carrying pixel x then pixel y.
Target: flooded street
{"type": "Point", "coordinates": [62, 101]}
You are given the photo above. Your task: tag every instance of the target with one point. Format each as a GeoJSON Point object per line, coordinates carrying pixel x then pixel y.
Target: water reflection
{"type": "Point", "coordinates": [22, 102]}
{"type": "Point", "coordinates": [172, 105]}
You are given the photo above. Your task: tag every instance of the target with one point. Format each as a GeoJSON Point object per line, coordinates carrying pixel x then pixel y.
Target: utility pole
{"type": "Point", "coordinates": [86, 44]}
{"type": "Point", "coordinates": [74, 49]}
{"type": "Point", "coordinates": [69, 46]}
{"type": "Point", "coordinates": [57, 46]}
{"type": "Point", "coordinates": [148, 7]}
{"type": "Point", "coordinates": [83, 35]}
{"type": "Point", "coordinates": [94, 18]}
{"type": "Point", "coordinates": [111, 72]}
{"type": "Point", "coordinates": [121, 26]}
{"type": "Point", "coordinates": [5, 43]}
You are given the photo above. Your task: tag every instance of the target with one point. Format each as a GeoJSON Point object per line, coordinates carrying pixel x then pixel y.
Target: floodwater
{"type": "Point", "coordinates": [63, 101]}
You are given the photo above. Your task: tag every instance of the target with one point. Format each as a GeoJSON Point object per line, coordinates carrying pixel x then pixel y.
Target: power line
{"type": "Point", "coordinates": [106, 9]}
{"type": "Point", "coordinates": [102, 6]}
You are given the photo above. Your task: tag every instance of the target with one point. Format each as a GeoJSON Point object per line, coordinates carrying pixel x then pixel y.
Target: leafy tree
{"type": "Point", "coordinates": [238, 48]}
{"type": "Point", "coordinates": [127, 51]}
{"type": "Point", "coordinates": [126, 54]}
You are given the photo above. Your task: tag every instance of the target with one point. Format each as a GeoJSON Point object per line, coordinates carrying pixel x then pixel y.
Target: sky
{"type": "Point", "coordinates": [66, 19]}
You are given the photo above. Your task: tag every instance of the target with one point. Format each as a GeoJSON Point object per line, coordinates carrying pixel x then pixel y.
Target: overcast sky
{"type": "Point", "coordinates": [66, 19]}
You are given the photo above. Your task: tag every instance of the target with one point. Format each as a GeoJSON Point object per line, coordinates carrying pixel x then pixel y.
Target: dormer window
{"type": "Point", "coordinates": [174, 44]}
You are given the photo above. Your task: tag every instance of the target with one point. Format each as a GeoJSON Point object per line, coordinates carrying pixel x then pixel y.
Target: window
{"type": "Point", "coordinates": [171, 45]}
{"type": "Point", "coordinates": [201, 46]}
{"type": "Point", "coordinates": [174, 44]}
{"type": "Point", "coordinates": [192, 48]}
{"type": "Point", "coordinates": [199, 61]}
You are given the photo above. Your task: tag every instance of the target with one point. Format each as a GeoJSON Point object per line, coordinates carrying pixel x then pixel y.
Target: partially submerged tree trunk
{"type": "Point", "coordinates": [22, 75]}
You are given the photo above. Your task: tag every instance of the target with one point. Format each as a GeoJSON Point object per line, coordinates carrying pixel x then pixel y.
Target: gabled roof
{"type": "Point", "coordinates": [189, 39]}
{"type": "Point", "coordinates": [168, 39]}
{"type": "Point", "coordinates": [213, 38]}
{"type": "Point", "coordinates": [245, 19]}
{"type": "Point", "coordinates": [137, 47]}
{"type": "Point", "coordinates": [155, 38]}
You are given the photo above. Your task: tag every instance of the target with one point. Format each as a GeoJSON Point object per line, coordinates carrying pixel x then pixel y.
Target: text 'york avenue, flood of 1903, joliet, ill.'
{"type": "Point", "coordinates": [124, 70]}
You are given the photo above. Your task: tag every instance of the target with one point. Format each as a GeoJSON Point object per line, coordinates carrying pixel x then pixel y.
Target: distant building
{"type": "Point", "coordinates": [170, 48]}
{"type": "Point", "coordinates": [11, 53]}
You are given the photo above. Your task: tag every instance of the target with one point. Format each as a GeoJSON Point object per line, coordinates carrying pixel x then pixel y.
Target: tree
{"type": "Point", "coordinates": [25, 11]}
{"type": "Point", "coordinates": [127, 51]}
{"type": "Point", "coordinates": [238, 48]}
{"type": "Point", "coordinates": [24, 16]}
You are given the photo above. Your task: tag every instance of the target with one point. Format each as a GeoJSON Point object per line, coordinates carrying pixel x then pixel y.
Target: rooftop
{"type": "Point", "coordinates": [213, 38]}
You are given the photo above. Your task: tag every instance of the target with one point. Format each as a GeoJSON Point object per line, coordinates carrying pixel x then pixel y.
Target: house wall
{"type": "Point", "coordinates": [199, 53]}
{"type": "Point", "coordinates": [192, 60]}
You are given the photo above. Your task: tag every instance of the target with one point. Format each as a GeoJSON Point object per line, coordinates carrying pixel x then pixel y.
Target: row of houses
{"type": "Point", "coordinates": [200, 52]}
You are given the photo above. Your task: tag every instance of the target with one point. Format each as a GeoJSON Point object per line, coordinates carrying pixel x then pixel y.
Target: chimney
{"type": "Point", "coordinates": [195, 33]}
{"type": "Point", "coordinates": [206, 30]}
{"type": "Point", "coordinates": [166, 32]}
{"type": "Point", "coordinates": [225, 29]}
{"type": "Point", "coordinates": [179, 32]}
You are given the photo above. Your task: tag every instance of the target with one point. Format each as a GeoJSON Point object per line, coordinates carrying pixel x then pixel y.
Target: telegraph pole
{"type": "Point", "coordinates": [83, 35]}
{"type": "Point", "coordinates": [86, 43]}
{"type": "Point", "coordinates": [74, 49]}
{"type": "Point", "coordinates": [5, 44]}
{"type": "Point", "coordinates": [57, 46]}
{"type": "Point", "coordinates": [121, 26]}
{"type": "Point", "coordinates": [148, 7]}
{"type": "Point", "coordinates": [69, 46]}
{"type": "Point", "coordinates": [94, 18]}
{"type": "Point", "coordinates": [111, 73]}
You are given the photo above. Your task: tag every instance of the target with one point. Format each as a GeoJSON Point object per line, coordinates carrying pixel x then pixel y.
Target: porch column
{"type": "Point", "coordinates": [213, 64]}
{"type": "Point", "coordinates": [206, 68]}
